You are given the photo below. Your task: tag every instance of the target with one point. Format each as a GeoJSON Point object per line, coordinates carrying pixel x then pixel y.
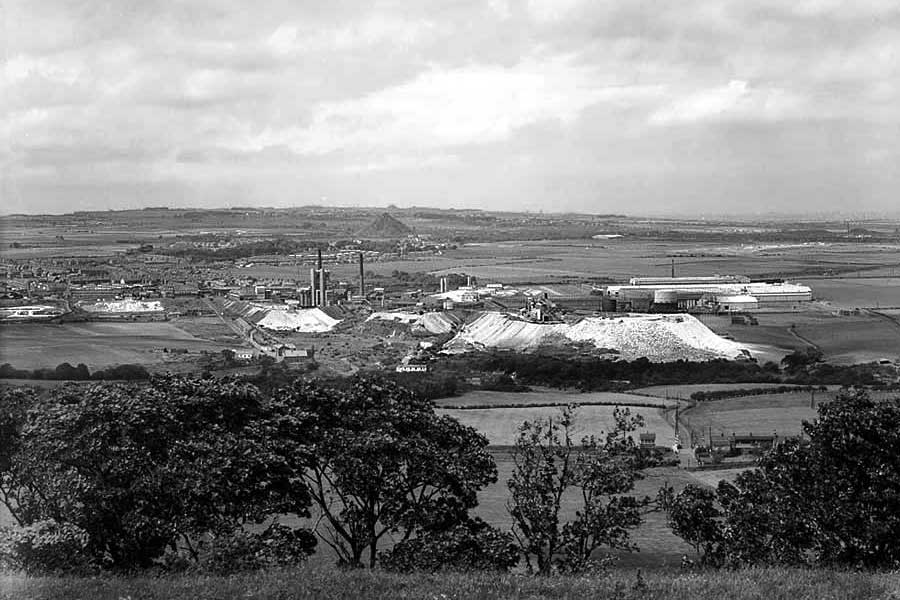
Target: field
{"type": "Point", "coordinates": [848, 340]}
{"type": "Point", "coordinates": [314, 582]}
{"type": "Point", "coordinates": [854, 292]}
{"type": "Point", "coordinates": [35, 345]}
{"type": "Point", "coordinates": [500, 425]}
{"type": "Point", "coordinates": [549, 261]}
{"type": "Point", "coordinates": [764, 414]}
{"type": "Point", "coordinates": [545, 396]}
{"type": "Point", "coordinates": [843, 339]}
{"type": "Point", "coordinates": [659, 547]}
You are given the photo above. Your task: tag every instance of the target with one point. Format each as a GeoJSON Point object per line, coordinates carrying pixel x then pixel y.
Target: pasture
{"type": "Point", "coordinates": [38, 345]}
{"type": "Point", "coordinates": [501, 425]}
{"type": "Point", "coordinates": [544, 397]}
{"type": "Point", "coordinates": [853, 339]}
{"type": "Point", "coordinates": [843, 339]}
{"type": "Point", "coordinates": [863, 292]}
{"type": "Point", "coordinates": [765, 414]}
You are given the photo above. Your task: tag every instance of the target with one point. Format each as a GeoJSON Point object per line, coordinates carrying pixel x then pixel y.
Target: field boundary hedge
{"type": "Point", "coordinates": [549, 405]}
{"type": "Point", "coordinates": [706, 396]}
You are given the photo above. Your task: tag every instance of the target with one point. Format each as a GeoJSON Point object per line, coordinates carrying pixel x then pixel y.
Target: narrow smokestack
{"type": "Point", "coordinates": [362, 277]}
{"type": "Point", "coordinates": [673, 268]}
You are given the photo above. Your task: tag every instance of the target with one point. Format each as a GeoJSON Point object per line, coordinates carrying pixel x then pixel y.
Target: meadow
{"type": "Point", "coordinates": [36, 345]}
{"type": "Point", "coordinates": [764, 414]}
{"type": "Point", "coordinates": [484, 398]}
{"type": "Point", "coordinates": [501, 425]}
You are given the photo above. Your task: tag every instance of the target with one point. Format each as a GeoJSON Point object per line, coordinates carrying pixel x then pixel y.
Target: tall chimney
{"type": "Point", "coordinates": [362, 277]}
{"type": "Point", "coordinates": [320, 258]}
{"type": "Point", "coordinates": [673, 267]}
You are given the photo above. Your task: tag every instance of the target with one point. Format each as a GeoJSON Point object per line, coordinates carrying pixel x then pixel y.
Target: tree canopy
{"type": "Point", "coordinates": [832, 499]}
{"type": "Point", "coordinates": [548, 463]}
{"type": "Point", "coordinates": [140, 470]}
{"type": "Point", "coordinates": [379, 460]}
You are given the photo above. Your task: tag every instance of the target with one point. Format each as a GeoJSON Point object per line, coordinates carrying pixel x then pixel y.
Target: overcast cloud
{"type": "Point", "coordinates": [705, 107]}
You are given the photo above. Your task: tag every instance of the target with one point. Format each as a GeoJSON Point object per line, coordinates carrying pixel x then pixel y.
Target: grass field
{"type": "Point", "coordinates": [35, 345]}
{"type": "Point", "coordinates": [765, 414]}
{"type": "Point", "coordinates": [500, 425]}
{"type": "Point", "coordinates": [546, 396]}
{"type": "Point", "coordinates": [712, 477]}
{"type": "Point", "coordinates": [843, 339]}
{"type": "Point", "coordinates": [849, 340]}
{"type": "Point", "coordinates": [311, 582]}
{"type": "Point", "coordinates": [854, 292]}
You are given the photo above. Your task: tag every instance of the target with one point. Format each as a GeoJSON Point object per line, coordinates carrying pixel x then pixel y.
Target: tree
{"type": "Point", "coordinates": [379, 460]}
{"type": "Point", "coordinates": [799, 360]}
{"type": "Point", "coordinates": [694, 517]}
{"type": "Point", "coordinates": [548, 465]}
{"type": "Point", "coordinates": [145, 469]}
{"type": "Point", "coordinates": [832, 501]}
{"type": "Point", "coordinates": [468, 546]}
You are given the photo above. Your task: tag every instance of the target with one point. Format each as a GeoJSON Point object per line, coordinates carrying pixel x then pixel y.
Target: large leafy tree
{"type": "Point", "coordinates": [549, 464]}
{"type": "Point", "coordinates": [142, 469]}
{"type": "Point", "coordinates": [378, 460]}
{"type": "Point", "coordinates": [694, 517]}
{"type": "Point", "coordinates": [833, 500]}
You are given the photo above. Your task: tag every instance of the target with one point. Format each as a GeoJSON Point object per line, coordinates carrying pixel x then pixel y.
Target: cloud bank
{"type": "Point", "coordinates": [693, 107]}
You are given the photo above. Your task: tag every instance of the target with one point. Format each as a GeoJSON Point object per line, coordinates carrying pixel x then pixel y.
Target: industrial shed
{"type": "Point", "coordinates": [737, 303]}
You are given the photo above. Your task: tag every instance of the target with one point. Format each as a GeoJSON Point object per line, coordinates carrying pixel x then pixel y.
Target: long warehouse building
{"type": "Point", "coordinates": [727, 293]}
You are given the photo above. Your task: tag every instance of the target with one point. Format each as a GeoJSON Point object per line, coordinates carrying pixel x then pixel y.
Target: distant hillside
{"type": "Point", "coordinates": [384, 226]}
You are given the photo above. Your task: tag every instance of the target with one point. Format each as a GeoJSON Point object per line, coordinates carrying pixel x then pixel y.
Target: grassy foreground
{"type": "Point", "coordinates": [309, 582]}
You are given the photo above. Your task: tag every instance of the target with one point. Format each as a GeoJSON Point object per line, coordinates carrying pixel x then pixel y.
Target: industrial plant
{"type": "Point", "coordinates": [729, 293]}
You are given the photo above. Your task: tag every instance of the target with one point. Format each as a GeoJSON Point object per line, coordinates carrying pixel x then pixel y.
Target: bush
{"type": "Point", "coordinates": [127, 372]}
{"type": "Point", "coordinates": [45, 547]}
{"type": "Point", "coordinates": [474, 545]}
{"type": "Point", "coordinates": [239, 550]}
{"type": "Point", "coordinates": [501, 382]}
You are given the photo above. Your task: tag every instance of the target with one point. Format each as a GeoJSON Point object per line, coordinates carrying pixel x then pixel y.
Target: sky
{"type": "Point", "coordinates": [696, 107]}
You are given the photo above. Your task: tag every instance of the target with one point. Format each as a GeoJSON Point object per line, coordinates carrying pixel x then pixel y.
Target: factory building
{"type": "Point", "coordinates": [720, 293]}
{"type": "Point", "coordinates": [737, 303]}
{"type": "Point", "coordinates": [705, 280]}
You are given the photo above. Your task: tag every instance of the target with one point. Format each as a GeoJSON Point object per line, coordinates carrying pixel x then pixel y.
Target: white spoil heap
{"type": "Point", "coordinates": [432, 322]}
{"type": "Point", "coordinates": [304, 320]}
{"type": "Point", "coordinates": [659, 338]}
{"type": "Point", "coordinates": [124, 306]}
